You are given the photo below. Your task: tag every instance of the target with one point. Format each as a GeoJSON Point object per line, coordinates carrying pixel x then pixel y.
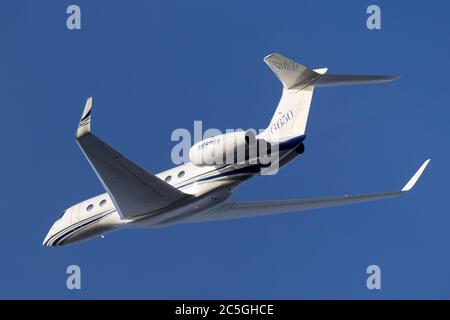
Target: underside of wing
{"type": "Point", "coordinates": [333, 80]}
{"type": "Point", "coordinates": [134, 191]}
{"type": "Point", "coordinates": [241, 209]}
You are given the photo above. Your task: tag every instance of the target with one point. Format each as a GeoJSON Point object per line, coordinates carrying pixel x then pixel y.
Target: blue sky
{"type": "Point", "coordinates": [153, 66]}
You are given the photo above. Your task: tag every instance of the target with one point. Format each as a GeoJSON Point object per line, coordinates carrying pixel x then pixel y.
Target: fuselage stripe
{"type": "Point", "coordinates": [71, 227]}
{"type": "Point", "coordinates": [74, 230]}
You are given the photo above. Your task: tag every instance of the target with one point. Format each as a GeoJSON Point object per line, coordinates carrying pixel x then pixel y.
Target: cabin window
{"type": "Point", "coordinates": [168, 178]}
{"type": "Point", "coordinates": [90, 207]}
{"type": "Point", "coordinates": [102, 203]}
{"type": "Point", "coordinates": [181, 174]}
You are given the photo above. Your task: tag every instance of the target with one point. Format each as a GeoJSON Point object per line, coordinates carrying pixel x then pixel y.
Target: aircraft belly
{"type": "Point", "coordinates": [186, 209]}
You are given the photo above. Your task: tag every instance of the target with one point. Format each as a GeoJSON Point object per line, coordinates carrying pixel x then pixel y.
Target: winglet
{"type": "Point", "coordinates": [410, 184]}
{"type": "Point", "coordinates": [84, 127]}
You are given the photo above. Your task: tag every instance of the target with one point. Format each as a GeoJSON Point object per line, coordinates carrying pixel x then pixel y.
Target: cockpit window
{"type": "Point", "coordinates": [61, 215]}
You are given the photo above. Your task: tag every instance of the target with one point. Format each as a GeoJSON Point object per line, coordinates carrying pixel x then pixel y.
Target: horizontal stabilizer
{"type": "Point", "coordinates": [291, 115]}
{"type": "Point", "coordinates": [331, 80]}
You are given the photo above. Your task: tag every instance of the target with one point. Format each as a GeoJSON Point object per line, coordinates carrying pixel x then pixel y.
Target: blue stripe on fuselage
{"type": "Point", "coordinates": [76, 227]}
{"type": "Point", "coordinates": [251, 169]}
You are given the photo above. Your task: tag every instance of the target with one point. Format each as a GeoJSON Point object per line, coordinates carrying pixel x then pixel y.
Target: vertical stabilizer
{"type": "Point", "coordinates": [291, 115]}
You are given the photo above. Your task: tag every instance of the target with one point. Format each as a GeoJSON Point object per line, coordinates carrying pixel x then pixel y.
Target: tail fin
{"type": "Point", "coordinates": [290, 73]}
{"type": "Point", "coordinates": [292, 111]}
{"type": "Point", "coordinates": [291, 115]}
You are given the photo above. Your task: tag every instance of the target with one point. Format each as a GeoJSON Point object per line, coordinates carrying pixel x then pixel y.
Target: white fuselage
{"type": "Point", "coordinates": [209, 186]}
{"type": "Point", "coordinates": [198, 191]}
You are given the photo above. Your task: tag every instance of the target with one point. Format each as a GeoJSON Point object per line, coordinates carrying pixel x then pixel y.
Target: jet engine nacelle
{"type": "Point", "coordinates": [227, 148]}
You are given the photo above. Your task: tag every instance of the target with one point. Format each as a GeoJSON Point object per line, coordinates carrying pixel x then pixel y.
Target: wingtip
{"type": "Point", "coordinates": [410, 184]}
{"type": "Point", "coordinates": [84, 127]}
{"type": "Point", "coordinates": [87, 106]}
{"type": "Point", "coordinates": [393, 77]}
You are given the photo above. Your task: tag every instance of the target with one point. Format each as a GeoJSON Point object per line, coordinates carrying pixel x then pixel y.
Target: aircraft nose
{"type": "Point", "coordinates": [46, 239]}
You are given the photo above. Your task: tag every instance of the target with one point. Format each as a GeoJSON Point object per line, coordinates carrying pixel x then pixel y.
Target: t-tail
{"type": "Point", "coordinates": [290, 117]}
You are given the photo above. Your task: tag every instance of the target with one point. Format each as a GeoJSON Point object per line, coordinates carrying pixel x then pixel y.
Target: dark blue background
{"type": "Point", "coordinates": [153, 66]}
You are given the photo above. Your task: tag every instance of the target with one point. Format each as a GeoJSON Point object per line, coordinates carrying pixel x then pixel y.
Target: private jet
{"type": "Point", "coordinates": [198, 190]}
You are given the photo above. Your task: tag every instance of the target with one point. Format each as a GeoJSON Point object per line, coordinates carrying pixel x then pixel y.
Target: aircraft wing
{"type": "Point", "coordinates": [133, 190]}
{"type": "Point", "coordinates": [240, 209]}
